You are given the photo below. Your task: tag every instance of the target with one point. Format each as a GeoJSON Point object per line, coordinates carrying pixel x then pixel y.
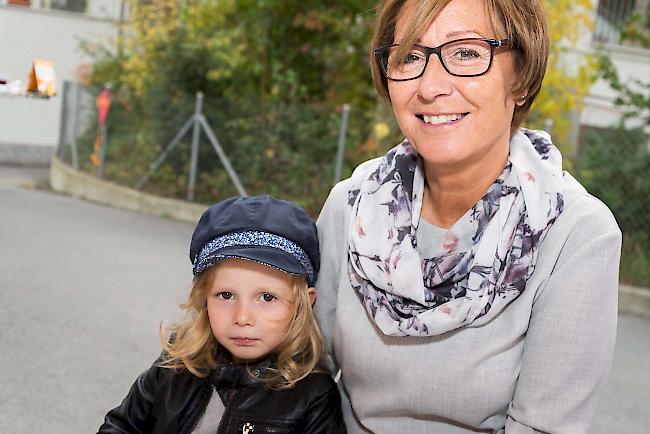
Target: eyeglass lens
{"type": "Point", "coordinates": [464, 57]}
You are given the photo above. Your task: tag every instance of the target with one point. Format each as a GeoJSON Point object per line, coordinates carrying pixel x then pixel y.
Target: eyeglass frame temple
{"type": "Point", "coordinates": [494, 44]}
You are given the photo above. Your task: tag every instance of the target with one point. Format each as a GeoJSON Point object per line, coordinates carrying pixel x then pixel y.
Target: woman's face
{"type": "Point", "coordinates": [471, 115]}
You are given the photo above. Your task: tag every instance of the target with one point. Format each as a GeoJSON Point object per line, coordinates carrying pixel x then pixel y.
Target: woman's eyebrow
{"type": "Point", "coordinates": [462, 32]}
{"type": "Point", "coordinates": [456, 33]}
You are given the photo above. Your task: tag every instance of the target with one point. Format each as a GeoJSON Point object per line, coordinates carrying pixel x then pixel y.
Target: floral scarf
{"type": "Point", "coordinates": [407, 295]}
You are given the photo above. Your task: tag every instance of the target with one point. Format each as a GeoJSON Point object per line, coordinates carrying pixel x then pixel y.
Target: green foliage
{"type": "Point", "coordinates": [634, 95]}
{"type": "Point", "coordinates": [614, 167]}
{"type": "Point", "coordinates": [569, 75]}
{"type": "Point", "coordinates": [274, 75]}
{"type": "Point", "coordinates": [637, 30]}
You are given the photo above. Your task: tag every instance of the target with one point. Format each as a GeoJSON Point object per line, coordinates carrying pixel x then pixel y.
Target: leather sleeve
{"type": "Point", "coordinates": [134, 414]}
{"type": "Point", "coordinates": [324, 413]}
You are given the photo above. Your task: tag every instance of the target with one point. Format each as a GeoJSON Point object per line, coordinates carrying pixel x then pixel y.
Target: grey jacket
{"type": "Point", "coordinates": [538, 366]}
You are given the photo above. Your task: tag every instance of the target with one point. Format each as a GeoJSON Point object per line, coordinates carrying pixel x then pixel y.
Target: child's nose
{"type": "Point", "coordinates": [243, 315]}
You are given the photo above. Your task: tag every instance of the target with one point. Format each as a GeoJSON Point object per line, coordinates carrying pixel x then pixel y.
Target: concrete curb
{"type": "Point", "coordinates": [65, 179]}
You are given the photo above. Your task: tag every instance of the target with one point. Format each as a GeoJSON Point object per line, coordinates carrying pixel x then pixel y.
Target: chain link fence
{"type": "Point", "coordinates": [614, 165]}
{"type": "Point", "coordinates": [206, 152]}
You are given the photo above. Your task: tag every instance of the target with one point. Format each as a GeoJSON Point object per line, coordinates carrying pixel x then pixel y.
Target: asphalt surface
{"type": "Point", "coordinates": [83, 289]}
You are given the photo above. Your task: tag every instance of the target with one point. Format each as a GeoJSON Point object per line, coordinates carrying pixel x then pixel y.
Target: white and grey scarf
{"type": "Point", "coordinates": [407, 295]}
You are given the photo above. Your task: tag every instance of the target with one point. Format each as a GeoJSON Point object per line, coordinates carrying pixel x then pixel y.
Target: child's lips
{"type": "Point", "coordinates": [244, 341]}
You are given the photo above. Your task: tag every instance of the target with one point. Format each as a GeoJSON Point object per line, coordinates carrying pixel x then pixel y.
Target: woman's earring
{"type": "Point", "coordinates": [521, 101]}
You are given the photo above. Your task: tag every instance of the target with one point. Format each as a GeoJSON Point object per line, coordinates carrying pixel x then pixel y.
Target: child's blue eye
{"type": "Point", "coordinates": [268, 297]}
{"type": "Point", "coordinates": [225, 295]}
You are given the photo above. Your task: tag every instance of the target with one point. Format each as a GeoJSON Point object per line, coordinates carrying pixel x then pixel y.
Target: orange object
{"type": "Point", "coordinates": [103, 105]}
{"type": "Point", "coordinates": [41, 78]}
{"type": "Point", "coordinates": [103, 102]}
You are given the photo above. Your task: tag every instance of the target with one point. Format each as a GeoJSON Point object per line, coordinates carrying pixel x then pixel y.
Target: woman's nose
{"type": "Point", "coordinates": [243, 315]}
{"type": "Point", "coordinates": [435, 81]}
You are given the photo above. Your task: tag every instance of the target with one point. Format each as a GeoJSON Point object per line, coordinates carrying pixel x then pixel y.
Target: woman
{"type": "Point", "coordinates": [467, 283]}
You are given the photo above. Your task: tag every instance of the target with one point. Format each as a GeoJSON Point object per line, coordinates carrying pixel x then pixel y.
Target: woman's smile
{"type": "Point", "coordinates": [441, 119]}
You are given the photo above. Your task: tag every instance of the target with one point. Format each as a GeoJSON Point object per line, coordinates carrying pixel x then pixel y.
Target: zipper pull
{"type": "Point", "coordinates": [248, 428]}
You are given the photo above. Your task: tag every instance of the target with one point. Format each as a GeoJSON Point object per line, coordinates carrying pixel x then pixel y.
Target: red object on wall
{"type": "Point", "coordinates": [20, 2]}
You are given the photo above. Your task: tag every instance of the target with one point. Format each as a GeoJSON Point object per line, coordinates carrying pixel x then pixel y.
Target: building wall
{"type": "Point", "coordinates": [632, 63]}
{"type": "Point", "coordinates": [29, 127]}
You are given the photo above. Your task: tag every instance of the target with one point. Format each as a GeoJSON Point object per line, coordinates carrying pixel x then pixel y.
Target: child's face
{"type": "Point", "coordinates": [249, 307]}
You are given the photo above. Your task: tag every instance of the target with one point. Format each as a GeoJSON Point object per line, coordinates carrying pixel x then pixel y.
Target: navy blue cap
{"type": "Point", "coordinates": [263, 229]}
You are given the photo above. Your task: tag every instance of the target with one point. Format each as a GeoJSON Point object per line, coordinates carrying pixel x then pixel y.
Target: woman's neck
{"type": "Point", "coordinates": [450, 192]}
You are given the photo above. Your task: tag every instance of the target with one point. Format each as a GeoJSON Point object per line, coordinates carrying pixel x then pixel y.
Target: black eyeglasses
{"type": "Point", "coordinates": [469, 57]}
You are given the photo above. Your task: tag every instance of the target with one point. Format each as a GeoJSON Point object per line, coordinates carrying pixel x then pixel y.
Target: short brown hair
{"type": "Point", "coordinates": [194, 347]}
{"type": "Point", "coordinates": [525, 28]}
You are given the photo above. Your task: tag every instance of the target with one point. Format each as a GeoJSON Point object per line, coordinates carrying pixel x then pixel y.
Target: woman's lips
{"type": "Point", "coordinates": [440, 119]}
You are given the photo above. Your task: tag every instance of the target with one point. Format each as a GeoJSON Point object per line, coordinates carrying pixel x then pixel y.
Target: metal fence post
{"type": "Point", "coordinates": [73, 127]}
{"type": "Point", "coordinates": [102, 151]}
{"type": "Point", "coordinates": [197, 120]}
{"type": "Point", "coordinates": [63, 129]}
{"type": "Point", "coordinates": [222, 156]}
{"type": "Point", "coordinates": [68, 128]}
{"type": "Point", "coordinates": [163, 155]}
{"type": "Point", "coordinates": [338, 167]}
{"type": "Point", "coordinates": [194, 157]}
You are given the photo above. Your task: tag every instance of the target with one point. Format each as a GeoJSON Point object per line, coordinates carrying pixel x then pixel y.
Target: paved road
{"type": "Point", "coordinates": [84, 287]}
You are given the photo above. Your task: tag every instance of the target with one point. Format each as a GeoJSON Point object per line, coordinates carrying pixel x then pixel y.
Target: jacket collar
{"type": "Point", "coordinates": [228, 374]}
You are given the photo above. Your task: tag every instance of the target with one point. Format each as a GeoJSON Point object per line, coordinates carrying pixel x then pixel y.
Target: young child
{"type": "Point", "coordinates": [248, 359]}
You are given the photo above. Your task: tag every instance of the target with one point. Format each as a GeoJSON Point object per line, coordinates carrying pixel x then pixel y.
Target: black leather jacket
{"type": "Point", "coordinates": [167, 401]}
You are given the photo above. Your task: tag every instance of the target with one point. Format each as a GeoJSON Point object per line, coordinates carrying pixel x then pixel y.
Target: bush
{"type": "Point", "coordinates": [274, 74]}
{"type": "Point", "coordinates": [614, 166]}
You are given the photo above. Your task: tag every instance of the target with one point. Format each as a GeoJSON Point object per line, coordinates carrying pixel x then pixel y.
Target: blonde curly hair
{"type": "Point", "coordinates": [191, 345]}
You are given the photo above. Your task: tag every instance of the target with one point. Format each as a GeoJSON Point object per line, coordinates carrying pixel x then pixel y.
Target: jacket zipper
{"type": "Point", "coordinates": [205, 400]}
{"type": "Point", "coordinates": [227, 413]}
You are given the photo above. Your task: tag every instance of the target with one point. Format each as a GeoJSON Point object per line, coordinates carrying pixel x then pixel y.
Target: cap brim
{"type": "Point", "coordinates": [269, 256]}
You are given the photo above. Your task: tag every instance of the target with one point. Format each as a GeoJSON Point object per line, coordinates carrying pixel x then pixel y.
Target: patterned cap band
{"type": "Point", "coordinates": [252, 239]}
